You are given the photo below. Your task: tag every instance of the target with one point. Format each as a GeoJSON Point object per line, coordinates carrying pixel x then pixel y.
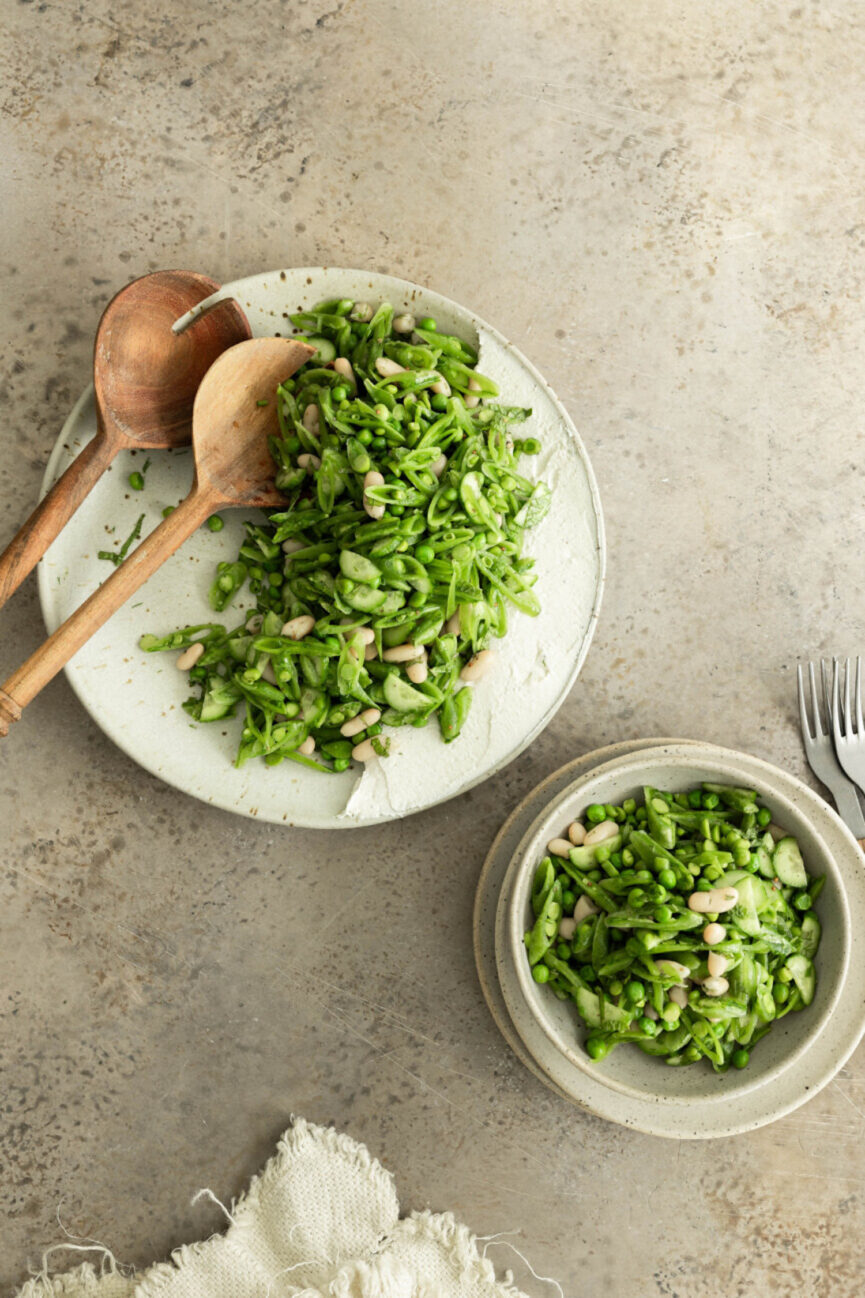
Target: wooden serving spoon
{"type": "Point", "coordinates": [145, 379]}
{"type": "Point", "coordinates": [233, 416]}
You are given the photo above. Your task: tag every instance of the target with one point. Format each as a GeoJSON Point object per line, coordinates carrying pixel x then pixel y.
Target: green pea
{"type": "Point", "coordinates": [662, 914]}
{"type": "Point", "coordinates": [569, 900]}
{"type": "Point", "coordinates": [636, 898]}
{"type": "Point", "coordinates": [428, 323]}
{"type": "Point", "coordinates": [802, 901]}
{"type": "Point", "coordinates": [531, 446]}
{"type": "Point", "coordinates": [563, 951]}
{"type": "Point", "coordinates": [596, 813]}
{"type": "Point", "coordinates": [169, 509]}
{"type": "Point", "coordinates": [136, 481]}
{"type": "Point", "coordinates": [629, 806]}
{"type": "Point", "coordinates": [692, 1054]}
{"type": "Point", "coordinates": [667, 877]}
{"type": "Point", "coordinates": [616, 987]}
{"type": "Point", "coordinates": [710, 801]}
{"type": "Point", "coordinates": [339, 393]}
{"type": "Point", "coordinates": [595, 1048]}
{"type": "Point", "coordinates": [540, 973]}
{"type": "Point", "coordinates": [635, 992]}
{"type": "Point", "coordinates": [712, 873]}
{"type": "Point", "coordinates": [365, 436]}
{"type": "Point", "coordinates": [764, 817]}
{"type": "Point", "coordinates": [215, 523]}
{"type": "Point", "coordinates": [424, 554]}
{"type": "Point", "coordinates": [739, 1058]}
{"type": "Point", "coordinates": [439, 401]}
{"type": "Point", "coordinates": [780, 993]}
{"type": "Point", "coordinates": [671, 1013]}
{"type": "Point", "coordinates": [648, 1026]}
{"type": "Point", "coordinates": [627, 856]}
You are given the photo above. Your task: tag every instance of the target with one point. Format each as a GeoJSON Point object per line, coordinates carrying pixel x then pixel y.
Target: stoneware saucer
{"type": "Point", "coordinates": [639, 1092]}
{"type": "Point", "coordinates": [137, 698]}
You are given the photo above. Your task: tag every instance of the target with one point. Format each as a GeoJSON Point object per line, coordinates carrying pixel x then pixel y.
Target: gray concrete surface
{"type": "Point", "coordinates": [663, 204]}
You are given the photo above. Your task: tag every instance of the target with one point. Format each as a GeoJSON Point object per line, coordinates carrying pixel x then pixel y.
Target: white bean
{"type": "Point", "coordinates": [267, 672]}
{"type": "Point", "coordinates": [717, 900]}
{"type": "Point", "coordinates": [452, 626]}
{"type": "Point", "coordinates": [673, 969]}
{"type": "Point", "coordinates": [584, 907]}
{"type": "Point", "coordinates": [478, 666]}
{"type": "Point", "coordinates": [190, 656]}
{"type": "Point", "coordinates": [417, 673]}
{"type": "Point", "coordinates": [365, 635]}
{"type": "Point", "coordinates": [311, 418]}
{"type": "Point", "coordinates": [576, 833]}
{"type": "Point", "coordinates": [651, 1013]}
{"type": "Point", "coordinates": [370, 716]}
{"type": "Point", "coordinates": [441, 387]}
{"type": "Point", "coordinates": [777, 832]}
{"type": "Point", "coordinates": [298, 627]}
{"type": "Point", "coordinates": [307, 748]}
{"type": "Point", "coordinates": [370, 652]}
{"type": "Point", "coordinates": [362, 311]}
{"type": "Point", "coordinates": [292, 545]}
{"type": "Point", "coordinates": [715, 986]}
{"type": "Point", "coordinates": [387, 368]}
{"type": "Point", "coordinates": [438, 466]}
{"type": "Point", "coordinates": [364, 751]}
{"type": "Point", "coordinates": [559, 847]}
{"type": "Point", "coordinates": [600, 833]}
{"type": "Point", "coordinates": [717, 964]}
{"type": "Point", "coordinates": [352, 727]}
{"type": "Point", "coordinates": [342, 366]}
{"type": "Point", "coordinates": [403, 653]}
{"type": "Point", "coordinates": [471, 402]}
{"type": "Point", "coordinates": [567, 928]}
{"type": "Point", "coordinates": [679, 996]}
{"type": "Point", "coordinates": [713, 934]}
{"type": "Point", "coordinates": [403, 324]}
{"type": "Point", "coordinates": [373, 479]}
{"type": "Point", "coordinates": [308, 462]}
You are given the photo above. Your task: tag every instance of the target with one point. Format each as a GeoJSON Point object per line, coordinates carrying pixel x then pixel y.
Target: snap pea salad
{"type": "Point", "coordinates": [684, 924]}
{"type": "Point", "coordinates": [381, 584]}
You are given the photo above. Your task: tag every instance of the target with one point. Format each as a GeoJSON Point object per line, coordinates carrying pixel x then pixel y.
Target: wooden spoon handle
{"type": "Point", "coordinates": [47, 661]}
{"type": "Point", "coordinates": [53, 513]}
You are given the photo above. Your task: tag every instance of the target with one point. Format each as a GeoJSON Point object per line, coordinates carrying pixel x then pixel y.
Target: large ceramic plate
{"type": "Point", "coordinates": [136, 698]}
{"type": "Point", "coordinates": [808, 1072]}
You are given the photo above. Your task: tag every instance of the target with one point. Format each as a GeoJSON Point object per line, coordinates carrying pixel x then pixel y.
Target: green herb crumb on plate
{"type": "Point", "coordinates": [382, 584]}
{"type": "Point", "coordinates": [684, 924]}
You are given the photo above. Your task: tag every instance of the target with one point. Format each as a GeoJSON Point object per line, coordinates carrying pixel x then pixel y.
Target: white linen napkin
{"type": "Point", "coordinates": [321, 1220]}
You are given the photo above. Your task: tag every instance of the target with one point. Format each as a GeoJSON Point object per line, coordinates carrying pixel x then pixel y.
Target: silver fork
{"type": "Point", "coordinates": [820, 751]}
{"type": "Point", "coordinates": [848, 727]}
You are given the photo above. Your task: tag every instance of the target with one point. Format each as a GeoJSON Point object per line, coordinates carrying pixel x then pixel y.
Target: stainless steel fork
{"type": "Point", "coordinates": [848, 727]}
{"type": "Point", "coordinates": [820, 750]}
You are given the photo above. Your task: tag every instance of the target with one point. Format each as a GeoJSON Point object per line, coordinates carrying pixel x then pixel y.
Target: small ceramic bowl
{"type": "Point", "coordinates": [627, 1070]}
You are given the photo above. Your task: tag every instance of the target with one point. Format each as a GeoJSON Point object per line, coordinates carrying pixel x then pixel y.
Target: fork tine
{"type": "Point", "coordinates": [827, 692]}
{"type": "Point", "coordinates": [860, 727]}
{"type": "Point", "coordinates": [837, 731]}
{"type": "Point", "coordinates": [848, 715]}
{"type": "Point", "coordinates": [815, 702]}
{"type": "Point", "coordinates": [803, 711]}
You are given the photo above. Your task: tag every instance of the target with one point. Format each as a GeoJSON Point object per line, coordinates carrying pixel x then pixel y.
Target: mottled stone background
{"type": "Point", "coordinates": [663, 204]}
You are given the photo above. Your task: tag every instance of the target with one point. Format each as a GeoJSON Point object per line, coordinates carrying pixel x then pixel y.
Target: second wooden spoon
{"type": "Point", "coordinates": [234, 415]}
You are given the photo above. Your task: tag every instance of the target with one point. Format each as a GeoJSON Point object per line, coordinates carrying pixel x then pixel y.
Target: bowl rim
{"type": "Point", "coordinates": [718, 761]}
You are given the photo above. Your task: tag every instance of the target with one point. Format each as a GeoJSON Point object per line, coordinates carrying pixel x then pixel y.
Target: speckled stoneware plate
{"type": "Point", "coordinates": [136, 698]}
{"type": "Point", "coordinates": [796, 1060]}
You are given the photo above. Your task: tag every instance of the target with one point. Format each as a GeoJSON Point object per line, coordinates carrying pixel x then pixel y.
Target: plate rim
{"type": "Point", "coordinates": [310, 821]}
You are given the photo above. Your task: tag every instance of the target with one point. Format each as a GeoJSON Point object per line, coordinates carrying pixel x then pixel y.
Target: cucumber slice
{"type": "Point", "coordinates": [788, 864]}
{"type": "Point", "coordinates": [402, 696]}
{"type": "Point", "coordinates": [763, 862]}
{"type": "Point", "coordinates": [358, 568]}
{"type": "Point", "coordinates": [326, 352]}
{"type": "Point", "coordinates": [589, 1007]}
{"type": "Point", "coordinates": [804, 976]}
{"type": "Point", "coordinates": [365, 598]}
{"type": "Point", "coordinates": [810, 935]}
